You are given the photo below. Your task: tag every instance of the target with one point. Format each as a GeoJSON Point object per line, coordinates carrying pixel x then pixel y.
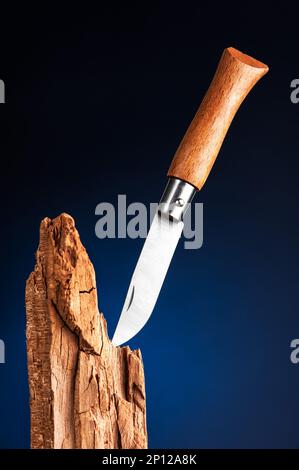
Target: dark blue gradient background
{"type": "Point", "coordinates": [90, 115]}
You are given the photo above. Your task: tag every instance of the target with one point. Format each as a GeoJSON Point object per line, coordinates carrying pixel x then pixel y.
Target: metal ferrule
{"type": "Point", "coordinates": [176, 198]}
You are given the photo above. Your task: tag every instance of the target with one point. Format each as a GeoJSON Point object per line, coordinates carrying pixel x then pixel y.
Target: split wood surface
{"type": "Point", "coordinates": [84, 392]}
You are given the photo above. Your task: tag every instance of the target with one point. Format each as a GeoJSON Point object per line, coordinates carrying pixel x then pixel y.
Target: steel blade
{"type": "Point", "coordinates": [148, 277]}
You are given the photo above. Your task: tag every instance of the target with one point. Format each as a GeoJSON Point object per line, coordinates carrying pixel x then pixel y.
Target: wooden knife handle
{"type": "Point", "coordinates": [236, 74]}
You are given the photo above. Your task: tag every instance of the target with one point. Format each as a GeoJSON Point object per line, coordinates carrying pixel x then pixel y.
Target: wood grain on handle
{"type": "Point", "coordinates": [236, 74]}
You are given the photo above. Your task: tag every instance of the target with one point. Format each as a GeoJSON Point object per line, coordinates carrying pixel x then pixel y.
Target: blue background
{"type": "Point", "coordinates": [96, 106]}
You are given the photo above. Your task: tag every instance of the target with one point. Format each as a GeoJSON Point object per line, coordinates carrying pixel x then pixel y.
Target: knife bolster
{"type": "Point", "coordinates": [176, 198]}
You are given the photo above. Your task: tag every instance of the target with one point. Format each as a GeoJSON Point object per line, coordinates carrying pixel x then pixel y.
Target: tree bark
{"type": "Point", "coordinates": [84, 392]}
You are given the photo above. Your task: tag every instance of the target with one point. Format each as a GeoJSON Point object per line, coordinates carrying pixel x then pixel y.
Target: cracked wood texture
{"type": "Point", "coordinates": [84, 392]}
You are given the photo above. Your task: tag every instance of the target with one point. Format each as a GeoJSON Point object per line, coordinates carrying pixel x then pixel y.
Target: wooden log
{"type": "Point", "coordinates": [84, 392]}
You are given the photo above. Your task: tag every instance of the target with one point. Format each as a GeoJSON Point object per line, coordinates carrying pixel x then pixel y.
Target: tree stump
{"type": "Point", "coordinates": [84, 392]}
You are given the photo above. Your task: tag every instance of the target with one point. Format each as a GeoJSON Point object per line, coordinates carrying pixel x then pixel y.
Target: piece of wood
{"type": "Point", "coordinates": [84, 392]}
{"type": "Point", "coordinates": [235, 76]}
